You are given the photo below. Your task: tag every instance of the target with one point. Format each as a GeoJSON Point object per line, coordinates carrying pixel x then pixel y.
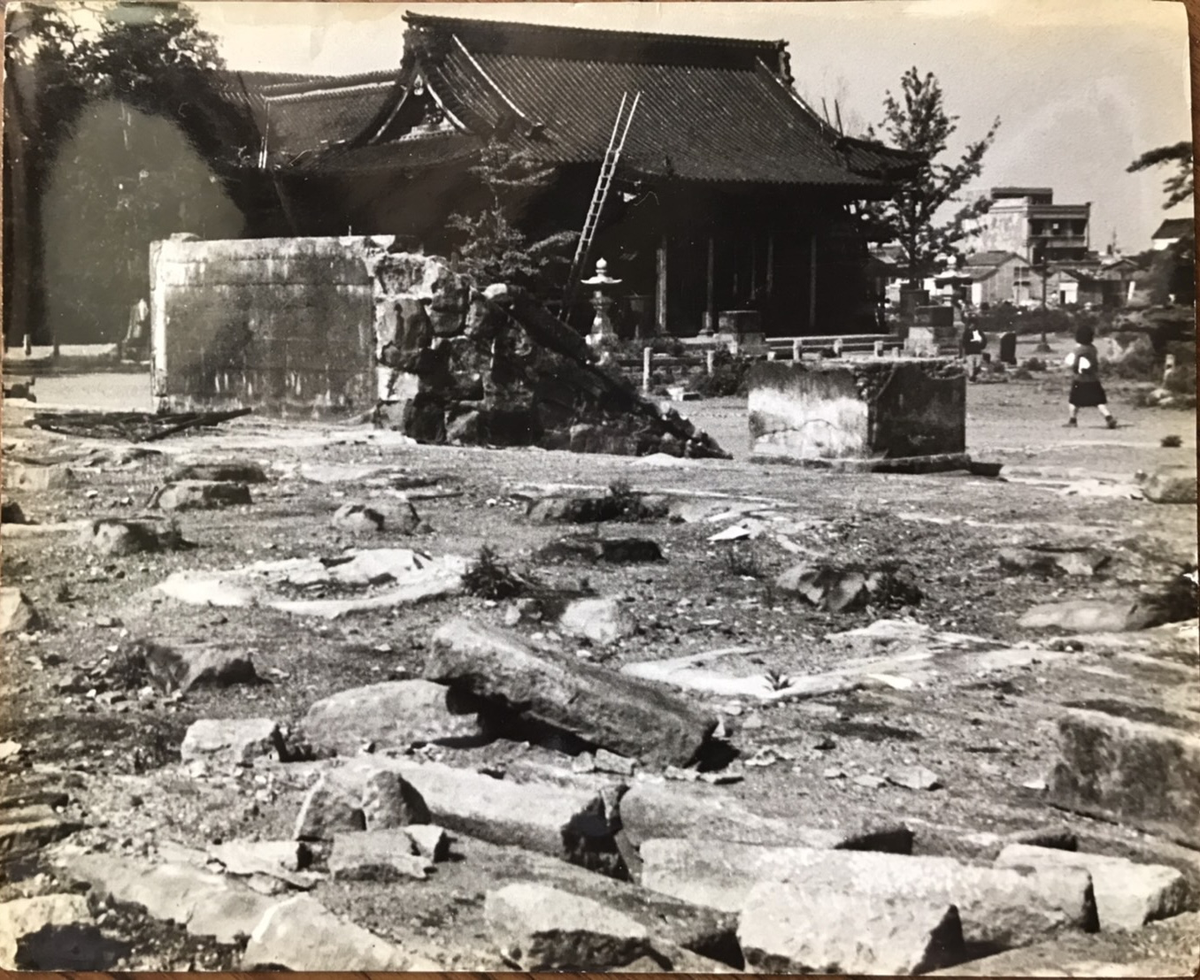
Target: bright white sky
{"type": "Point", "coordinates": [1081, 86]}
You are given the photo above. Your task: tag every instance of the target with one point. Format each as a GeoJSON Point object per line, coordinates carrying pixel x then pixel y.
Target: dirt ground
{"type": "Point", "coordinates": [989, 737]}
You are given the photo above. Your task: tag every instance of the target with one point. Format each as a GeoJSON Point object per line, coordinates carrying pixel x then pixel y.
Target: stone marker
{"type": "Point", "coordinates": [26, 828]}
{"type": "Point", "coordinates": [376, 855]}
{"type": "Point", "coordinates": [541, 928]}
{"type": "Point", "coordinates": [302, 935]}
{"type": "Point", "coordinates": [1128, 894]}
{"type": "Point", "coordinates": [201, 495]}
{"type": "Point", "coordinates": [650, 810]}
{"type": "Point", "coordinates": [17, 614]}
{"type": "Point", "coordinates": [53, 932]}
{"type": "Point", "coordinates": [623, 714]}
{"type": "Point", "coordinates": [392, 715]}
{"type": "Point", "coordinates": [206, 904]}
{"type": "Point", "coordinates": [1134, 772]}
{"type": "Point", "coordinates": [559, 821]}
{"type": "Point", "coordinates": [429, 840]}
{"type": "Point", "coordinates": [219, 471]}
{"type": "Point", "coordinates": [999, 907]}
{"type": "Point", "coordinates": [793, 928]}
{"type": "Point", "coordinates": [600, 620]}
{"type": "Point", "coordinates": [1170, 486]}
{"type": "Point", "coordinates": [237, 740]}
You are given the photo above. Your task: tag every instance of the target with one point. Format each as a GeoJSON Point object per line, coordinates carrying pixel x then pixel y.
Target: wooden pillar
{"type": "Point", "coordinates": [710, 310]}
{"type": "Point", "coordinates": [812, 282]}
{"type": "Point", "coordinates": [660, 288]}
{"type": "Point", "coordinates": [770, 263]}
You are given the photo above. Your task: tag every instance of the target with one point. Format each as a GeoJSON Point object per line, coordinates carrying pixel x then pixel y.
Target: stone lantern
{"type": "Point", "coordinates": [602, 328]}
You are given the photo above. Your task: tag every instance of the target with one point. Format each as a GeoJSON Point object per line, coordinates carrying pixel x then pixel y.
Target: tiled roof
{"type": "Point", "coordinates": [1174, 228]}
{"type": "Point", "coordinates": [711, 109]}
{"type": "Point", "coordinates": [994, 258]}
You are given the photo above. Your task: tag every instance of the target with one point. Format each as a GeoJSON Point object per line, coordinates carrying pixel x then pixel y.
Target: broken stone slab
{"type": "Point", "coordinates": [914, 777]}
{"type": "Point", "coordinates": [334, 804]}
{"type": "Point", "coordinates": [1136, 773]}
{"type": "Point", "coordinates": [197, 665]}
{"type": "Point", "coordinates": [205, 904]}
{"type": "Point", "coordinates": [430, 841]}
{"type": "Point", "coordinates": [302, 935]}
{"type": "Point", "coordinates": [623, 714]}
{"type": "Point", "coordinates": [843, 588]}
{"type": "Point", "coordinates": [1128, 894]}
{"type": "Point", "coordinates": [673, 925]}
{"type": "Point", "coordinates": [537, 927]}
{"type": "Point", "coordinates": [1170, 486]}
{"type": "Point", "coordinates": [24, 829]}
{"type": "Point", "coordinates": [998, 907]}
{"type": "Point", "coordinates": [793, 928]}
{"type": "Point", "coordinates": [389, 801]}
{"type": "Point", "coordinates": [1052, 563]}
{"type": "Point", "coordinates": [117, 538]}
{"type": "Point", "coordinates": [17, 614]}
{"type": "Point", "coordinates": [615, 551]}
{"type": "Point", "coordinates": [53, 932]}
{"type": "Point", "coordinates": [246, 857]}
{"type": "Point", "coordinates": [358, 519]}
{"type": "Point", "coordinates": [376, 855]}
{"type": "Point", "coordinates": [584, 509]}
{"type": "Point", "coordinates": [391, 715]}
{"type": "Point", "coordinates": [219, 471]}
{"type": "Point", "coordinates": [573, 824]}
{"type": "Point", "coordinates": [1088, 616]}
{"type": "Point", "coordinates": [18, 476]}
{"type": "Point", "coordinates": [235, 740]}
{"type": "Point", "coordinates": [703, 813]}
{"type": "Point", "coordinates": [201, 495]}
{"type": "Point", "coordinates": [600, 620]}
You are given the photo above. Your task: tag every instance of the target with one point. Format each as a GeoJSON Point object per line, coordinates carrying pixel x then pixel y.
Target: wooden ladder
{"type": "Point", "coordinates": [616, 144]}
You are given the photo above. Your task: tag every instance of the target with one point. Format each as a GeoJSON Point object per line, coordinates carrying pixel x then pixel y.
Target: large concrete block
{"type": "Point", "coordinates": [857, 409]}
{"type": "Point", "coordinates": [1137, 772]}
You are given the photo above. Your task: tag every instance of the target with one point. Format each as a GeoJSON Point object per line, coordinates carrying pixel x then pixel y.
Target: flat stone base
{"type": "Point", "coordinates": [938, 463]}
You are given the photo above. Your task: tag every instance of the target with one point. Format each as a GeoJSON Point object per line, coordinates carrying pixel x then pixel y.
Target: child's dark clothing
{"type": "Point", "coordinates": [1086, 390]}
{"type": "Point", "coordinates": [973, 340]}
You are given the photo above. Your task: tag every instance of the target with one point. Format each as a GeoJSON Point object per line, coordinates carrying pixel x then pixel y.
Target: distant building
{"type": "Point", "coordinates": [1171, 231]}
{"type": "Point", "coordinates": [998, 277]}
{"type": "Point", "coordinates": [1026, 221]}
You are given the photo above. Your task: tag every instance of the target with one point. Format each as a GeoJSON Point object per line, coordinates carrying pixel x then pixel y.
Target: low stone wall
{"type": "Point", "coordinates": [857, 409]}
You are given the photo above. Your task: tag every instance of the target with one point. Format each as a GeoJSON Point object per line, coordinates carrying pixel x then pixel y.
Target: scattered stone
{"type": "Point", "coordinates": [606, 761]}
{"type": "Point", "coordinates": [24, 829]}
{"type": "Point", "coordinates": [1170, 486]}
{"type": "Point", "coordinates": [302, 935]}
{"type": "Point", "coordinates": [602, 621]}
{"type": "Point", "coordinates": [541, 928]}
{"type": "Point", "coordinates": [17, 614]}
{"type": "Point", "coordinates": [18, 476]}
{"type": "Point", "coordinates": [593, 509]}
{"type": "Point", "coordinates": [11, 513]}
{"type": "Point", "coordinates": [794, 928]}
{"type": "Point", "coordinates": [1087, 616]}
{"type": "Point", "coordinates": [236, 740]}
{"type": "Point", "coordinates": [868, 781]}
{"type": "Point", "coordinates": [844, 588]}
{"type": "Point", "coordinates": [999, 907]}
{"type": "Point", "coordinates": [430, 841]}
{"type": "Point", "coordinates": [206, 904]}
{"type": "Point", "coordinates": [388, 802]}
{"type": "Point", "coordinates": [358, 519]}
{"type": "Point", "coordinates": [376, 855]}
{"type": "Point", "coordinates": [1128, 894]}
{"type": "Point", "coordinates": [333, 805]}
{"type": "Point", "coordinates": [623, 714]}
{"type": "Point", "coordinates": [656, 810]}
{"type": "Point", "coordinates": [53, 932]}
{"type": "Point", "coordinates": [1059, 838]}
{"type": "Point", "coordinates": [196, 665]}
{"type": "Point", "coordinates": [1051, 563]}
{"type": "Point", "coordinates": [219, 471]}
{"type": "Point", "coordinates": [392, 715]}
{"type": "Point", "coordinates": [117, 538]}
{"type": "Point", "coordinates": [571, 823]}
{"type": "Point", "coordinates": [9, 749]}
{"type": "Point", "coordinates": [914, 777]}
{"type": "Point", "coordinates": [201, 495]}
{"type": "Point", "coordinates": [615, 551]}
{"type": "Point", "coordinates": [1136, 773]}
{"type": "Point", "coordinates": [245, 857]}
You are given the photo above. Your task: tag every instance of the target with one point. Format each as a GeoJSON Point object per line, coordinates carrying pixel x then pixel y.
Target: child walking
{"type": "Point", "coordinates": [1086, 390]}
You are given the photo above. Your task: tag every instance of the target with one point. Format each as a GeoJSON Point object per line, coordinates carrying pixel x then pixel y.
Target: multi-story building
{"type": "Point", "coordinates": [1025, 220]}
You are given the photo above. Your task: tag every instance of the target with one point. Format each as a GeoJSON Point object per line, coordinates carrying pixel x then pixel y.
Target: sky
{"type": "Point", "coordinates": [1081, 87]}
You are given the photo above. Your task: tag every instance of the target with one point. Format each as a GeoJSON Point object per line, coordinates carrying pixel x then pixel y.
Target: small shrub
{"type": "Point", "coordinates": [1034, 364]}
{"type": "Point", "coordinates": [728, 377]}
{"type": "Point", "coordinates": [1171, 442]}
{"type": "Point", "coordinates": [489, 578]}
{"type": "Point", "coordinates": [1182, 380]}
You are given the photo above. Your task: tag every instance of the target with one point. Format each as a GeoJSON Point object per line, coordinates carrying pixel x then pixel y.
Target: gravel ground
{"type": "Point", "coordinates": [987, 737]}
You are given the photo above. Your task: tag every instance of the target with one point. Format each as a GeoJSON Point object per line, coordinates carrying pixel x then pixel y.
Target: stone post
{"type": "Point", "coordinates": [647, 354]}
{"type": "Point", "coordinates": [797, 348]}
